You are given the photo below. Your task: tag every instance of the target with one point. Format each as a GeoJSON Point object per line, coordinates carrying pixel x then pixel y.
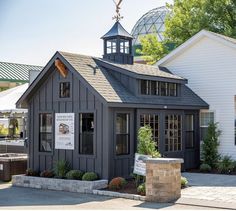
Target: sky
{"type": "Point", "coordinates": [31, 31]}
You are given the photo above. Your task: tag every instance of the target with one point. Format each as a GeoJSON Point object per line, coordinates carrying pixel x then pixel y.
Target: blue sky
{"type": "Point", "coordinates": [31, 31]}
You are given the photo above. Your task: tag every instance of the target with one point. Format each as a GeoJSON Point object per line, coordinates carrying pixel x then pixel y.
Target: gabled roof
{"type": "Point", "coordinates": [16, 72]}
{"type": "Point", "coordinates": [107, 88]}
{"type": "Point", "coordinates": [228, 41]}
{"type": "Point", "coordinates": [117, 30]}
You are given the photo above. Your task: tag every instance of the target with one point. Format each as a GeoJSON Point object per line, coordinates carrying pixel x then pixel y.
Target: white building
{"type": "Point", "coordinates": [208, 61]}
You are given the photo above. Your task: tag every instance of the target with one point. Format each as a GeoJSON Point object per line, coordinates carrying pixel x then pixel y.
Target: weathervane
{"type": "Point", "coordinates": [118, 17]}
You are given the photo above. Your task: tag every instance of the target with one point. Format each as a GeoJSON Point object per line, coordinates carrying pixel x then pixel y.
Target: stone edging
{"type": "Point", "coordinates": [119, 195]}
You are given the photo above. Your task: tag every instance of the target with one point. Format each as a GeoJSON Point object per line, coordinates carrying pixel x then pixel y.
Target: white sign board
{"type": "Point", "coordinates": [1, 167]}
{"type": "Point", "coordinates": [139, 164]}
{"type": "Point", "coordinates": [64, 131]}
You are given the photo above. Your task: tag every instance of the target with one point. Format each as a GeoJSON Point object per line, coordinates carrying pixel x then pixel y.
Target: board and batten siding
{"type": "Point", "coordinates": [46, 99]}
{"type": "Point", "coordinates": [210, 68]}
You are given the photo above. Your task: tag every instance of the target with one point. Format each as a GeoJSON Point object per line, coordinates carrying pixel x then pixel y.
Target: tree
{"type": "Point", "coordinates": [151, 49]}
{"type": "Point", "coordinates": [210, 146]}
{"type": "Point", "coordinates": [188, 17]}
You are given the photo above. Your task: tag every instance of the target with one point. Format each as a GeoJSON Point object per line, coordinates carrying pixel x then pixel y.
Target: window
{"type": "Point", "coordinates": [124, 46]}
{"type": "Point", "coordinates": [111, 46]}
{"type": "Point", "coordinates": [152, 121]}
{"type": "Point", "coordinates": [122, 134]}
{"type": "Point", "coordinates": [86, 134]}
{"type": "Point", "coordinates": [189, 138]}
{"type": "Point", "coordinates": [205, 119]}
{"type": "Point", "coordinates": [45, 132]}
{"type": "Point", "coordinates": [173, 137]}
{"type": "Point", "coordinates": [158, 88]}
{"type": "Point", "coordinates": [64, 89]}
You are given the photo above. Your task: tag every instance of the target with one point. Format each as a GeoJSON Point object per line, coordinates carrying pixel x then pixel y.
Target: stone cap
{"type": "Point", "coordinates": [164, 160]}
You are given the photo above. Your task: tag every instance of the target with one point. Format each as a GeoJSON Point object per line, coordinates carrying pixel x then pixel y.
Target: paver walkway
{"type": "Point", "coordinates": [210, 190]}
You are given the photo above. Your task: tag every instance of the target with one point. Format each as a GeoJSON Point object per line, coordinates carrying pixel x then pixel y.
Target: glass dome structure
{"type": "Point", "coordinates": [150, 23]}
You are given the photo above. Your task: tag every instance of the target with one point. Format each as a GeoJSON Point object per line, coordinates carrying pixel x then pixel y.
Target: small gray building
{"type": "Point", "coordinates": [104, 101]}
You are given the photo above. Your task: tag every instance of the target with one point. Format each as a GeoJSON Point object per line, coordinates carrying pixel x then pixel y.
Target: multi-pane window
{"type": "Point", "coordinates": [122, 134]}
{"type": "Point", "coordinates": [189, 131]}
{"type": "Point", "coordinates": [173, 133]}
{"type": "Point", "coordinates": [152, 121]}
{"type": "Point", "coordinates": [64, 89]}
{"type": "Point", "coordinates": [124, 46]}
{"type": "Point", "coordinates": [111, 46]}
{"type": "Point", "coordinates": [86, 145]}
{"type": "Point", "coordinates": [205, 119]}
{"type": "Point", "coordinates": [45, 132]}
{"type": "Point", "coordinates": [158, 88]}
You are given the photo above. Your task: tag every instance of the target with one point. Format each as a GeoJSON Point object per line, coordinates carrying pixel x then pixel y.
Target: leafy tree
{"type": "Point", "coordinates": [210, 145]}
{"type": "Point", "coordinates": [151, 49]}
{"type": "Point", "coordinates": [188, 17]}
{"type": "Point", "coordinates": [146, 144]}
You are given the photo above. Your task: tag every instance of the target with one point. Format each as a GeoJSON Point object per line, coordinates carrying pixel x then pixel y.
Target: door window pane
{"type": "Point", "coordinates": [122, 134]}
{"type": "Point", "coordinates": [45, 132]}
{"type": "Point", "coordinates": [86, 144]}
{"type": "Point", "coordinates": [189, 138]}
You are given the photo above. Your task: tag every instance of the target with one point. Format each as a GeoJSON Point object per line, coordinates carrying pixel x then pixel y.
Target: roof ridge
{"type": "Point", "coordinates": [76, 54]}
{"type": "Point", "coordinates": [21, 64]}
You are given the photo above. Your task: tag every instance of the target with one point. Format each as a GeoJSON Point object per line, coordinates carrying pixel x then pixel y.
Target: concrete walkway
{"type": "Point", "coordinates": [210, 190]}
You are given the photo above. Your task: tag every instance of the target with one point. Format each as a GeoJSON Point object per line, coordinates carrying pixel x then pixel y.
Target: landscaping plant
{"type": "Point", "coordinates": [90, 176]}
{"type": "Point", "coordinates": [117, 183]}
{"type": "Point", "coordinates": [210, 145]}
{"type": "Point", "coordinates": [141, 189]}
{"type": "Point", "coordinates": [31, 172]}
{"type": "Point", "coordinates": [205, 168]}
{"type": "Point", "coordinates": [74, 174]}
{"type": "Point", "coordinates": [47, 173]}
{"type": "Point", "coordinates": [226, 165]}
{"type": "Point", "coordinates": [61, 168]}
{"type": "Point", "coordinates": [184, 182]}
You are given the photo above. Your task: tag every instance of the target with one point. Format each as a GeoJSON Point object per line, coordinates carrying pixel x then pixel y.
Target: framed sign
{"type": "Point", "coordinates": [64, 131]}
{"type": "Point", "coordinates": [139, 164]}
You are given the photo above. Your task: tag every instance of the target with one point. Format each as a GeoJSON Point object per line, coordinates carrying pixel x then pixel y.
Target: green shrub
{"type": "Point", "coordinates": [74, 174]}
{"type": "Point", "coordinates": [146, 144]}
{"type": "Point", "coordinates": [210, 145]}
{"type": "Point", "coordinates": [205, 168]}
{"type": "Point", "coordinates": [47, 173]}
{"type": "Point", "coordinates": [31, 172]}
{"type": "Point", "coordinates": [225, 165]}
{"type": "Point", "coordinates": [90, 176]}
{"type": "Point", "coordinates": [61, 168]}
{"type": "Point", "coordinates": [184, 182]}
{"type": "Point", "coordinates": [117, 183]}
{"type": "Point", "coordinates": [141, 189]}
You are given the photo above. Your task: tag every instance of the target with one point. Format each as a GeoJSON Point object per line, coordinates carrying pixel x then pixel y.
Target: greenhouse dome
{"type": "Point", "coordinates": [150, 23]}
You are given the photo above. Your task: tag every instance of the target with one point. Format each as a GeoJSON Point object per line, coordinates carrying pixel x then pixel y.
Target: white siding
{"type": "Point", "coordinates": [210, 68]}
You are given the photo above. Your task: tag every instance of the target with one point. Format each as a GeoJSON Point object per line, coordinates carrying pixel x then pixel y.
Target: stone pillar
{"type": "Point", "coordinates": [163, 179]}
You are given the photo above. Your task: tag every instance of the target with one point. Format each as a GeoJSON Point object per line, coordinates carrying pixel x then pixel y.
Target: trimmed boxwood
{"type": "Point", "coordinates": [74, 174]}
{"type": "Point", "coordinates": [90, 176]}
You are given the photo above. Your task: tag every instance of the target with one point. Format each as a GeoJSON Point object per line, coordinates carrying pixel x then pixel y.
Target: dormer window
{"type": "Point", "coordinates": [111, 46]}
{"type": "Point", "coordinates": [124, 46]}
{"type": "Point", "coordinates": [148, 87]}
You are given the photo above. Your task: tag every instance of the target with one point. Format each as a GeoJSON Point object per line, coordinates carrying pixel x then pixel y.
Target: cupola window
{"type": "Point", "coordinates": [111, 46]}
{"type": "Point", "coordinates": [124, 46]}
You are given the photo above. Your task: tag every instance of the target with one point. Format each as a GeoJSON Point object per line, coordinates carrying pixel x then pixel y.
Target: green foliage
{"type": "Point", "coordinates": [226, 165]}
{"type": "Point", "coordinates": [210, 145]}
{"type": "Point", "coordinates": [90, 176]}
{"type": "Point", "coordinates": [205, 168]}
{"type": "Point", "coordinates": [188, 17]}
{"type": "Point", "coordinates": [151, 49]}
{"type": "Point", "coordinates": [184, 182]}
{"type": "Point", "coordinates": [61, 168]}
{"type": "Point", "coordinates": [146, 144]}
{"type": "Point", "coordinates": [31, 172]}
{"type": "Point", "coordinates": [47, 173]}
{"type": "Point", "coordinates": [141, 189]}
{"type": "Point", "coordinates": [3, 130]}
{"type": "Point", "coordinates": [74, 174]}
{"type": "Point", "coordinates": [117, 183]}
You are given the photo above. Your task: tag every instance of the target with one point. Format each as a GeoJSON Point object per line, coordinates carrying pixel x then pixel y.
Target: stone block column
{"type": "Point", "coordinates": [163, 179]}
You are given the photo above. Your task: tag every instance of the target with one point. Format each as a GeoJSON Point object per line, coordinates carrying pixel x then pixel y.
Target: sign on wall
{"type": "Point", "coordinates": [139, 164]}
{"type": "Point", "coordinates": [64, 131]}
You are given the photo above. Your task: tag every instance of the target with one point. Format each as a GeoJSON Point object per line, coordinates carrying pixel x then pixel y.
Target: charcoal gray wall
{"type": "Point", "coordinates": [46, 99]}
